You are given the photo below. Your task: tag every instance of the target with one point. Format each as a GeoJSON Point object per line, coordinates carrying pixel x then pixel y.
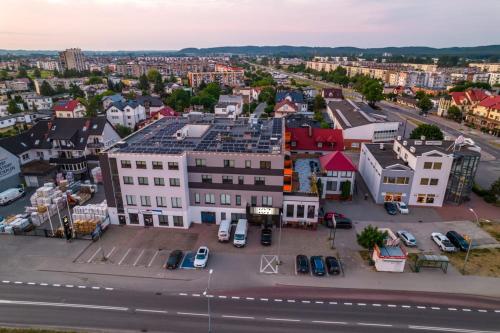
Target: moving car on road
{"type": "Point", "coordinates": [174, 259]}
{"type": "Point", "coordinates": [302, 264]}
{"type": "Point", "coordinates": [391, 208]}
{"type": "Point", "coordinates": [443, 242]}
{"type": "Point", "coordinates": [402, 208]}
{"type": "Point", "coordinates": [332, 265]}
{"type": "Point", "coordinates": [457, 240]}
{"type": "Point", "coordinates": [266, 237]}
{"type": "Point", "coordinates": [407, 238]}
{"type": "Point", "coordinates": [201, 258]}
{"type": "Point", "coordinates": [318, 266]}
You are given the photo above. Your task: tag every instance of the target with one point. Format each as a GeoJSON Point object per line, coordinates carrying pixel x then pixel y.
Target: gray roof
{"type": "Point", "coordinates": [385, 157]}
{"type": "Point", "coordinates": [425, 146]}
{"type": "Point", "coordinates": [352, 114]}
{"type": "Point", "coordinates": [230, 99]}
{"type": "Point", "coordinates": [217, 135]}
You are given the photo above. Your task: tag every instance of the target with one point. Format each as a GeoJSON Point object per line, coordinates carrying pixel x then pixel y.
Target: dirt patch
{"type": "Point", "coordinates": [482, 262]}
{"type": "Point", "coordinates": [493, 228]}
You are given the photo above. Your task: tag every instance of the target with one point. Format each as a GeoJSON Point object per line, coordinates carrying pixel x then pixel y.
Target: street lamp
{"type": "Point", "coordinates": [205, 293]}
{"type": "Point", "coordinates": [470, 243]}
{"type": "Point", "coordinates": [334, 226]}
{"type": "Point", "coordinates": [279, 239]}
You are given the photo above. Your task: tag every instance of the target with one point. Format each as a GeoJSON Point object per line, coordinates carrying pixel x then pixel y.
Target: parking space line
{"type": "Point", "coordinates": [373, 324]}
{"type": "Point", "coordinates": [329, 322]}
{"type": "Point", "coordinates": [282, 319]}
{"type": "Point", "coordinates": [110, 252]}
{"type": "Point", "coordinates": [124, 256]}
{"type": "Point", "coordinates": [150, 311]}
{"type": "Point", "coordinates": [139, 257]}
{"type": "Point", "coordinates": [153, 259]}
{"type": "Point", "coordinates": [237, 317]}
{"type": "Point", "coordinates": [93, 256]}
{"type": "Point", "coordinates": [192, 314]}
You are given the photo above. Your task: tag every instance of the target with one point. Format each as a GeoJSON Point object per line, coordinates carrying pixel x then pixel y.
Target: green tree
{"type": "Point", "coordinates": [345, 190]}
{"type": "Point", "coordinates": [324, 124]}
{"type": "Point", "coordinates": [319, 103]}
{"type": "Point", "coordinates": [94, 80]}
{"type": "Point", "coordinates": [123, 131]}
{"type": "Point", "coordinates": [455, 114]}
{"type": "Point", "coordinates": [373, 91]}
{"type": "Point", "coordinates": [178, 100]}
{"type": "Point", "coordinates": [143, 83]}
{"type": "Point", "coordinates": [46, 89]}
{"type": "Point", "coordinates": [213, 89]}
{"type": "Point", "coordinates": [420, 94]}
{"type": "Point", "coordinates": [159, 86]}
{"type": "Point", "coordinates": [431, 132]}
{"type": "Point", "coordinates": [36, 73]}
{"type": "Point", "coordinates": [75, 91]}
{"type": "Point", "coordinates": [22, 72]}
{"type": "Point", "coordinates": [4, 75]}
{"type": "Point", "coordinates": [318, 116]}
{"type": "Point", "coordinates": [267, 94]}
{"type": "Point", "coordinates": [425, 104]}
{"type": "Point", "coordinates": [12, 107]}
{"type": "Point", "coordinates": [495, 189]}
{"type": "Point", "coordinates": [371, 236]}
{"type": "Point", "coordinates": [153, 75]}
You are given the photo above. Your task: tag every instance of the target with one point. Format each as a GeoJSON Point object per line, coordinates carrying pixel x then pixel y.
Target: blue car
{"type": "Point", "coordinates": [318, 266]}
{"type": "Point", "coordinates": [391, 208]}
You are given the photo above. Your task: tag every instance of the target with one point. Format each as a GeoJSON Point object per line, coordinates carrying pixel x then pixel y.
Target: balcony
{"type": "Point", "coordinates": [95, 145]}
{"type": "Point", "coordinates": [67, 160]}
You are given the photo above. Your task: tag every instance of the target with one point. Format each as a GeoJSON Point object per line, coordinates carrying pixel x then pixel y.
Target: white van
{"type": "Point", "coordinates": [7, 196]}
{"type": "Point", "coordinates": [240, 235]}
{"type": "Point", "coordinates": [224, 233]}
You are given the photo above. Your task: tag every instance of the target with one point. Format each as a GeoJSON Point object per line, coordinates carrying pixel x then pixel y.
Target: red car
{"type": "Point", "coordinates": [328, 216]}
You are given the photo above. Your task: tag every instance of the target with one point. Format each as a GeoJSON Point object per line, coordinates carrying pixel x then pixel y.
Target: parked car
{"type": "Point", "coordinates": [224, 233]}
{"type": "Point", "coordinates": [457, 240]}
{"type": "Point", "coordinates": [391, 208]}
{"type": "Point", "coordinates": [318, 266]}
{"type": "Point", "coordinates": [342, 222]}
{"type": "Point", "coordinates": [328, 215]}
{"type": "Point", "coordinates": [201, 258]}
{"type": "Point", "coordinates": [10, 195]}
{"type": "Point", "coordinates": [443, 242]}
{"type": "Point", "coordinates": [332, 265]}
{"type": "Point", "coordinates": [240, 235]}
{"type": "Point", "coordinates": [174, 259]}
{"type": "Point", "coordinates": [403, 208]}
{"type": "Point", "coordinates": [266, 237]}
{"type": "Point", "coordinates": [302, 264]}
{"type": "Point", "coordinates": [407, 238]}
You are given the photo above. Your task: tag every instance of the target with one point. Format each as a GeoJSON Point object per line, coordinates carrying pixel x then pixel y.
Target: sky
{"type": "Point", "coordinates": [175, 24]}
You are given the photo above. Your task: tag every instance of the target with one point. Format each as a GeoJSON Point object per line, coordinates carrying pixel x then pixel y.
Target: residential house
{"type": "Point", "coordinates": [127, 114]}
{"type": "Point", "coordinates": [149, 104]}
{"type": "Point", "coordinates": [294, 96]}
{"type": "Point", "coordinates": [486, 115]}
{"type": "Point", "coordinates": [285, 108]}
{"type": "Point", "coordinates": [69, 109]}
{"type": "Point", "coordinates": [107, 101]}
{"type": "Point", "coordinates": [311, 140]}
{"type": "Point", "coordinates": [230, 106]}
{"type": "Point", "coordinates": [337, 174]}
{"type": "Point", "coordinates": [464, 100]}
{"type": "Point", "coordinates": [37, 103]}
{"type": "Point", "coordinates": [332, 94]}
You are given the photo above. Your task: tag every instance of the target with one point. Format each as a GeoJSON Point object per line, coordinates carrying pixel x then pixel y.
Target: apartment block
{"type": "Point", "coordinates": [72, 59]}
{"type": "Point", "coordinates": [222, 74]}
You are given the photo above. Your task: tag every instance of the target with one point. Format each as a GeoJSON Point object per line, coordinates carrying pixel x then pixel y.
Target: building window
{"type": "Point", "coordinates": [128, 180]}
{"type": "Point", "coordinates": [130, 200]}
{"type": "Point", "coordinates": [142, 180]}
{"type": "Point", "coordinates": [267, 201]}
{"type": "Point", "coordinates": [426, 198]}
{"type": "Point", "coordinates": [197, 198]}
{"type": "Point", "coordinates": [290, 210]}
{"type": "Point", "coordinates": [140, 164]}
{"type": "Point", "coordinates": [310, 212]}
{"type": "Point", "coordinates": [228, 163]}
{"type": "Point", "coordinates": [424, 181]}
{"type": "Point", "coordinates": [163, 220]}
{"type": "Point", "coordinates": [145, 201]}
{"type": "Point", "coordinates": [176, 202]}
{"type": "Point", "coordinates": [238, 200]}
{"type": "Point", "coordinates": [433, 181]}
{"type": "Point", "coordinates": [200, 162]}
{"type": "Point", "coordinates": [427, 165]}
{"type": "Point", "coordinates": [430, 198]}
{"type": "Point", "coordinates": [227, 179]}
{"type": "Point", "coordinates": [126, 164]}
{"type": "Point", "coordinates": [402, 180]}
{"type": "Point", "coordinates": [389, 180]}
{"type": "Point", "coordinates": [173, 166]}
{"type": "Point", "coordinates": [207, 179]}
{"type": "Point", "coordinates": [178, 221]}
{"type": "Point", "coordinates": [225, 199]}
{"type": "Point", "coordinates": [265, 164]}
{"type": "Point", "coordinates": [161, 201]}
{"type": "Point", "coordinates": [331, 186]}
{"type": "Point", "coordinates": [300, 211]}
{"type": "Point", "coordinates": [332, 173]}
{"type": "Point", "coordinates": [248, 164]}
{"type": "Point", "coordinates": [437, 165]}
{"type": "Point", "coordinates": [159, 181]}
{"type": "Point", "coordinates": [175, 182]}
{"type": "Point", "coordinates": [209, 199]}
{"type": "Point", "coordinates": [260, 181]}
{"type": "Point", "coordinates": [157, 165]}
{"type": "Point", "coordinates": [241, 180]}
{"type": "Point", "coordinates": [134, 218]}
{"type": "Point", "coordinates": [253, 201]}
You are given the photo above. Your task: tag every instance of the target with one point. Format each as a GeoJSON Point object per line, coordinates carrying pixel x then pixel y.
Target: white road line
{"type": "Point", "coordinates": [435, 308]}
{"type": "Point", "coordinates": [150, 311]}
{"type": "Point", "coordinates": [44, 284]}
{"type": "Point", "coordinates": [319, 302]}
{"type": "Point", "coordinates": [69, 286]}
{"type": "Point", "coordinates": [82, 287]}
{"type": "Point", "coordinates": [5, 281]}
{"type": "Point", "coordinates": [223, 297]}
{"type": "Point", "coordinates": [446, 329]}
{"type": "Point", "coordinates": [329, 322]}
{"type": "Point", "coordinates": [421, 307]}
{"type": "Point", "coordinates": [138, 258]}
{"type": "Point", "coordinates": [482, 311]}
{"type": "Point", "coordinates": [278, 300]}
{"type": "Point", "coordinates": [374, 324]}
{"type": "Point", "coordinates": [56, 285]}
{"type": "Point", "coordinates": [65, 305]}
{"type": "Point", "coordinates": [183, 294]}
{"type": "Point", "coordinates": [376, 304]}
{"type": "Point", "coordinates": [452, 309]}
{"type": "Point", "coordinates": [237, 317]}
{"type": "Point", "coordinates": [124, 256]}
{"type": "Point", "coordinates": [154, 257]}
{"type": "Point", "coordinates": [405, 306]}
{"type": "Point", "coordinates": [347, 303]}
{"type": "Point", "coordinates": [497, 311]}
{"type": "Point", "coordinates": [195, 295]}
{"type": "Point", "coordinates": [264, 299]}
{"type": "Point", "coordinates": [306, 302]}
{"type": "Point", "coordinates": [283, 319]}
{"type": "Point", "coordinates": [362, 304]}
{"type": "Point", "coordinates": [235, 297]}
{"type": "Point", "coordinates": [93, 256]}
{"type": "Point", "coordinates": [192, 314]}
{"type": "Point", "coordinates": [96, 288]}
{"type": "Point", "coordinates": [391, 305]}
{"type": "Point", "coordinates": [31, 283]}
{"type": "Point", "coordinates": [110, 252]}
{"type": "Point", "coordinates": [109, 289]}
{"type": "Point", "coordinates": [250, 299]}
{"type": "Point", "coordinates": [291, 301]}
{"type": "Point", "coordinates": [468, 310]}
{"type": "Point", "coordinates": [209, 296]}
{"type": "Point", "coordinates": [332, 303]}
{"type": "Point", "coordinates": [18, 282]}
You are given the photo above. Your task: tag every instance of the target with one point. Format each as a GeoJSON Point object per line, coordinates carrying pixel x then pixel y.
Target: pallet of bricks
{"type": "Point", "coordinates": [45, 202]}
{"type": "Point", "coordinates": [86, 218]}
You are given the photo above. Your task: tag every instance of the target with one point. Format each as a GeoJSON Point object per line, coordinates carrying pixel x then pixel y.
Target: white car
{"type": "Point", "coordinates": [201, 258]}
{"type": "Point", "coordinates": [402, 208]}
{"type": "Point", "coordinates": [443, 242]}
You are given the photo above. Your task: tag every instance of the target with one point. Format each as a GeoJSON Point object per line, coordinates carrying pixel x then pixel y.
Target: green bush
{"type": "Point", "coordinates": [478, 190]}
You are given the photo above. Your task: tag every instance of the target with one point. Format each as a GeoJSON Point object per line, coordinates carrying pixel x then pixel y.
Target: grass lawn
{"type": "Point", "coordinates": [482, 262]}
{"type": "Point", "coordinates": [44, 74]}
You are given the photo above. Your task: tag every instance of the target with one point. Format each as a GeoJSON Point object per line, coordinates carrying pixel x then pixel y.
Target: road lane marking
{"type": "Point", "coordinates": [31, 283]}
{"type": "Point", "coordinates": [209, 296]}
{"type": "Point", "coordinates": [124, 256]}
{"type": "Point", "coordinates": [405, 306]}
{"type": "Point", "coordinates": [306, 302]}
{"type": "Point", "coordinates": [376, 304]}
{"type": "Point", "coordinates": [264, 299]}
{"type": "Point", "coordinates": [150, 311]}
{"type": "Point", "coordinates": [235, 297]}
{"type": "Point", "coordinates": [223, 297]}
{"type": "Point", "coordinates": [44, 284]}
{"type": "Point", "coordinates": [138, 258]}
{"type": "Point", "coordinates": [18, 282]}
{"type": "Point", "coordinates": [374, 324]}
{"type": "Point", "coordinates": [319, 302]}
{"type": "Point", "coordinates": [446, 329]}
{"type": "Point", "coordinates": [282, 319]}
{"type": "Point", "coordinates": [56, 285]}
{"type": "Point", "coordinates": [482, 311]}
{"type": "Point", "coordinates": [332, 303]}
{"type": "Point", "coordinates": [391, 305]}
{"type": "Point", "coordinates": [278, 300]}
{"type": "Point", "coordinates": [347, 303]}
{"type": "Point", "coordinates": [192, 314]}
{"type": "Point", "coordinates": [5, 281]}
{"type": "Point", "coordinates": [69, 286]}
{"type": "Point", "coordinates": [361, 304]}
{"type": "Point", "coordinates": [329, 322]}
{"type": "Point", "coordinates": [421, 307]}
{"type": "Point", "coordinates": [82, 287]}
{"type": "Point", "coordinates": [65, 305]}
{"type": "Point", "coordinates": [237, 317]}
{"type": "Point", "coordinates": [452, 309]}
{"type": "Point", "coordinates": [154, 257]}
{"type": "Point", "coordinates": [195, 295]}
{"type": "Point", "coordinates": [250, 299]}
{"type": "Point", "coordinates": [109, 289]}
{"type": "Point", "coordinates": [435, 308]}
{"type": "Point", "coordinates": [183, 294]}
{"type": "Point", "coordinates": [291, 301]}
{"type": "Point", "coordinates": [96, 288]}
{"type": "Point", "coordinates": [93, 256]}
{"type": "Point", "coordinates": [466, 310]}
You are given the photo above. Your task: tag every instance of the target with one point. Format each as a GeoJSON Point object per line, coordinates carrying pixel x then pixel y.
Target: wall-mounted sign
{"type": "Point", "coordinates": [265, 210]}
{"type": "Point", "coordinates": [7, 167]}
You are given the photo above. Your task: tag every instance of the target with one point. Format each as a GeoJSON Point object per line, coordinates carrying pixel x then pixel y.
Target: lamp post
{"type": "Point", "coordinates": [470, 243]}
{"type": "Point", "coordinates": [205, 293]}
{"type": "Point", "coordinates": [334, 226]}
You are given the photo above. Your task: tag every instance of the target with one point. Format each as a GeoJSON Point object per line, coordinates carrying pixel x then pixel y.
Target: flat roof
{"type": "Point", "coordinates": [174, 135]}
{"type": "Point", "coordinates": [385, 157]}
{"type": "Point", "coordinates": [354, 114]}
{"type": "Point", "coordinates": [443, 146]}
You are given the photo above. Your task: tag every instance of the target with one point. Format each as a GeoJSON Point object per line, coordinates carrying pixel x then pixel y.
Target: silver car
{"type": "Point", "coordinates": [407, 238]}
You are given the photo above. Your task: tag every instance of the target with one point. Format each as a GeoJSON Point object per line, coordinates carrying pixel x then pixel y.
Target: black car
{"type": "Point", "coordinates": [391, 208]}
{"type": "Point", "coordinates": [318, 266]}
{"type": "Point", "coordinates": [266, 237]}
{"type": "Point", "coordinates": [174, 259]}
{"type": "Point", "coordinates": [332, 265]}
{"type": "Point", "coordinates": [302, 264]}
{"type": "Point", "coordinates": [457, 240]}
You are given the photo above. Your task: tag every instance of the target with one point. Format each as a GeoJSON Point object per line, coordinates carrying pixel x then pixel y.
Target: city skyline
{"type": "Point", "coordinates": [122, 24]}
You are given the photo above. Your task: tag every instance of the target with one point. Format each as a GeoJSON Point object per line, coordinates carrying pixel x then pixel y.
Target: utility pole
{"type": "Point", "coordinates": [470, 243]}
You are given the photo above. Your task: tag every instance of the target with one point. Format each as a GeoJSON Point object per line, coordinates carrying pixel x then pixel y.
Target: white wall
{"type": "Point", "coordinates": [297, 200]}
{"type": "Point", "coordinates": [370, 170]}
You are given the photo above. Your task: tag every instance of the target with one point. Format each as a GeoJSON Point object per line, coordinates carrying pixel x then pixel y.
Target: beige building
{"type": "Point", "coordinates": [492, 67]}
{"type": "Point", "coordinates": [72, 59]}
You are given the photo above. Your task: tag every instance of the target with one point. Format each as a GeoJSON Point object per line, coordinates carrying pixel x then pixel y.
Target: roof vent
{"type": "Point", "coordinates": [399, 137]}
{"type": "Point", "coordinates": [405, 143]}
{"type": "Point", "coordinates": [382, 146]}
{"type": "Point", "coordinates": [412, 150]}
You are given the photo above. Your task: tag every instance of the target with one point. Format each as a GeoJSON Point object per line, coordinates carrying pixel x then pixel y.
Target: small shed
{"type": "Point", "coordinates": [389, 258]}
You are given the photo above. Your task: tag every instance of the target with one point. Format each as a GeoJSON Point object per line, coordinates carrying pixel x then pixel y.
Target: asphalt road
{"type": "Point", "coordinates": [72, 307]}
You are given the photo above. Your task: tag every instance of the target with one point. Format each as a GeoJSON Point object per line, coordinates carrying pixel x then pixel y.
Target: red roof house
{"type": "Point", "coordinates": [315, 139]}
{"type": "Point", "coordinates": [68, 105]}
{"type": "Point", "coordinates": [336, 161]}
{"type": "Point", "coordinates": [285, 107]}
{"type": "Point", "coordinates": [491, 102]}
{"type": "Point", "coordinates": [166, 111]}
